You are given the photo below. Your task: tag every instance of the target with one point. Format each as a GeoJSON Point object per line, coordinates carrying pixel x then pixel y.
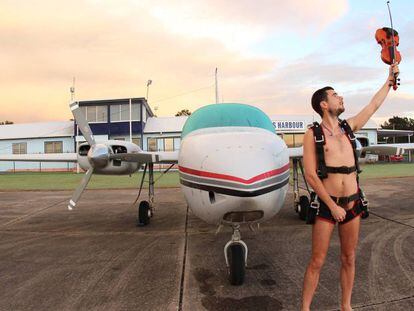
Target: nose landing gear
{"type": "Point", "coordinates": [235, 253]}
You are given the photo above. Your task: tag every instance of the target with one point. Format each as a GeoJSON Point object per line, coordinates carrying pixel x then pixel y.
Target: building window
{"type": "Point", "coordinates": [115, 113]}
{"type": "Point", "coordinates": [293, 140]}
{"type": "Point", "coordinates": [19, 148]}
{"type": "Point", "coordinates": [121, 112]}
{"type": "Point", "coordinates": [152, 144]}
{"type": "Point", "coordinates": [101, 114]}
{"type": "Point", "coordinates": [137, 141]}
{"type": "Point", "coordinates": [53, 146]}
{"type": "Point", "coordinates": [168, 144]}
{"type": "Point", "coordinates": [119, 138]}
{"type": "Point", "coordinates": [144, 114]}
{"type": "Point", "coordinates": [135, 109]}
{"type": "Point", "coordinates": [298, 140]}
{"type": "Point", "coordinates": [124, 112]}
{"type": "Point", "coordinates": [288, 138]}
{"type": "Point", "coordinates": [95, 113]}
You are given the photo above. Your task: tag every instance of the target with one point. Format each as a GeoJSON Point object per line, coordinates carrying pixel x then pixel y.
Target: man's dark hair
{"type": "Point", "coordinates": [317, 97]}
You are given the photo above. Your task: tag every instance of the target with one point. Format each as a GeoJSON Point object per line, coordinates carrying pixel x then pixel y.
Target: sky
{"type": "Point", "coordinates": [269, 54]}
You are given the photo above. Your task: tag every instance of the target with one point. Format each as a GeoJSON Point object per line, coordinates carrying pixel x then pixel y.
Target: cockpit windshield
{"type": "Point", "coordinates": [223, 115]}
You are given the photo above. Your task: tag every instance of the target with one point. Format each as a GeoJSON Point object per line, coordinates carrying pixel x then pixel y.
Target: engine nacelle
{"type": "Point", "coordinates": [98, 157]}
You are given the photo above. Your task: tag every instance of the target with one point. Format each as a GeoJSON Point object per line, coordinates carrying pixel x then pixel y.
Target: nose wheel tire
{"type": "Point", "coordinates": [144, 213]}
{"type": "Point", "coordinates": [237, 265]}
{"type": "Point", "coordinates": [235, 254]}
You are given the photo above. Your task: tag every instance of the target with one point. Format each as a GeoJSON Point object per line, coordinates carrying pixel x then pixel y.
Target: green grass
{"type": "Point", "coordinates": [387, 170]}
{"type": "Point", "coordinates": [69, 181]}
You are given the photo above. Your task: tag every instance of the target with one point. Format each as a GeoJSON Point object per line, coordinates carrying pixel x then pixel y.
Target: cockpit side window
{"type": "Point", "coordinates": [83, 150]}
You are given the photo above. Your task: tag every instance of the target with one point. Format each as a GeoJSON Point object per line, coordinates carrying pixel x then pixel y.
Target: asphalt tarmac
{"type": "Point", "coordinates": [95, 258]}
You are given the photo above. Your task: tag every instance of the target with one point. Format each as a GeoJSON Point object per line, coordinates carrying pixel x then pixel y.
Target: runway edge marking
{"type": "Point", "coordinates": [181, 297]}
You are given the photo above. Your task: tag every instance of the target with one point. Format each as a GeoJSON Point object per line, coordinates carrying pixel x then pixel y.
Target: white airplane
{"type": "Point", "coordinates": [233, 170]}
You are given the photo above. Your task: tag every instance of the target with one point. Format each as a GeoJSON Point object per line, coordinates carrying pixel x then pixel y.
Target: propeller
{"type": "Point", "coordinates": [98, 154]}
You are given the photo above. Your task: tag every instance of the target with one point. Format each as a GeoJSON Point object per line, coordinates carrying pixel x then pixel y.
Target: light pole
{"type": "Point", "coordinates": [72, 99]}
{"type": "Point", "coordinates": [149, 82]}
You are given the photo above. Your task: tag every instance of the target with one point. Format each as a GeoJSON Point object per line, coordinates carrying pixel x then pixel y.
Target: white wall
{"type": "Point", "coordinates": [35, 146]}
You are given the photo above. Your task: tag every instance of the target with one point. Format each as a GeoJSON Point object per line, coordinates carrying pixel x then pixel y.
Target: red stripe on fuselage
{"type": "Point", "coordinates": [234, 178]}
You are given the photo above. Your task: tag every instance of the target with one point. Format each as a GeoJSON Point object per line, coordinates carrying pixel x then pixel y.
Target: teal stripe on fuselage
{"type": "Point", "coordinates": [223, 115]}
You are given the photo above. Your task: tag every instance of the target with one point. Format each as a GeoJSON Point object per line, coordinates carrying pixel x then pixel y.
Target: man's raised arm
{"type": "Point", "coordinates": [359, 120]}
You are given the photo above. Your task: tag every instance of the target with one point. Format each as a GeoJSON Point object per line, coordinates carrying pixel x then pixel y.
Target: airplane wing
{"type": "Point", "coordinates": [40, 157]}
{"type": "Point", "coordinates": [394, 149]}
{"type": "Point", "coordinates": [167, 157]}
{"type": "Point", "coordinates": [384, 149]}
{"type": "Point", "coordinates": [406, 146]}
{"type": "Point", "coordinates": [147, 157]}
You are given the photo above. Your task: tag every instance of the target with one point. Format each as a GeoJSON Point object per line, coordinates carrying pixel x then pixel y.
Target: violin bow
{"type": "Point", "coordinates": [393, 47]}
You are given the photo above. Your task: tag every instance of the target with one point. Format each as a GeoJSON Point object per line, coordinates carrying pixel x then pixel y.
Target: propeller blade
{"type": "Point", "coordinates": [82, 123]}
{"type": "Point", "coordinates": [79, 190]}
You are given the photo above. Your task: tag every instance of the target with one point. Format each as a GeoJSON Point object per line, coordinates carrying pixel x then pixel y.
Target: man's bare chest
{"type": "Point", "coordinates": [338, 146]}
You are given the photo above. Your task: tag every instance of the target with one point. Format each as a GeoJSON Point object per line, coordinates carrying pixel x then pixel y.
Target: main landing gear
{"type": "Point", "coordinates": [235, 253]}
{"type": "Point", "coordinates": [301, 202]}
{"type": "Point", "coordinates": [146, 208]}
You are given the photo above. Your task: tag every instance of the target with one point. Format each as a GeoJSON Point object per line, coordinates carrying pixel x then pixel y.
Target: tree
{"type": "Point", "coordinates": [6, 122]}
{"type": "Point", "coordinates": [398, 123]}
{"type": "Point", "coordinates": [184, 112]}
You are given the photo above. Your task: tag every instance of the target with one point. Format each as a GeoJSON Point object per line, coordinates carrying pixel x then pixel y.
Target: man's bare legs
{"type": "Point", "coordinates": [348, 234]}
{"type": "Point", "coordinates": [321, 235]}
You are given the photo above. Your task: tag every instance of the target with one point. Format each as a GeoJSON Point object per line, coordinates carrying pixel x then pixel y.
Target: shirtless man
{"type": "Point", "coordinates": [338, 152]}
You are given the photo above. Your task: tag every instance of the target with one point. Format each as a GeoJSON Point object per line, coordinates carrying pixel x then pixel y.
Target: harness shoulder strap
{"type": "Point", "coordinates": [319, 138]}
{"type": "Point", "coordinates": [350, 134]}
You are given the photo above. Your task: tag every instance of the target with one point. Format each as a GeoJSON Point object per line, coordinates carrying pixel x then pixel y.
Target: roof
{"type": "Point", "coordinates": [165, 124]}
{"type": "Point", "coordinates": [117, 101]}
{"type": "Point", "coordinates": [37, 130]}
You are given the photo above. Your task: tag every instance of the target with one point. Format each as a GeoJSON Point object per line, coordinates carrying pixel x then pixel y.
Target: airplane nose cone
{"type": "Point", "coordinates": [98, 156]}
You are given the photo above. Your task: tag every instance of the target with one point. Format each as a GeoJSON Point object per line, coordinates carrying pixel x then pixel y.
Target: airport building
{"type": "Point", "coordinates": [132, 119]}
{"type": "Point", "coordinates": [42, 137]}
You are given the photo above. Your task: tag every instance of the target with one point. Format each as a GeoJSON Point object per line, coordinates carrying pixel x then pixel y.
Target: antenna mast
{"type": "Point", "coordinates": [72, 91]}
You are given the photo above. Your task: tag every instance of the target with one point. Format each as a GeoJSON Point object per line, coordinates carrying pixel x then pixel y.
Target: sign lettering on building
{"type": "Point", "coordinates": [289, 125]}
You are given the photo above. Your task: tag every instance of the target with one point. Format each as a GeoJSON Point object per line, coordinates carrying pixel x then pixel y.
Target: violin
{"type": "Point", "coordinates": [389, 40]}
{"type": "Point", "coordinates": [389, 43]}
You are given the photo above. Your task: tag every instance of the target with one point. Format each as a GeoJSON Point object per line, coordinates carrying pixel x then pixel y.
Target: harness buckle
{"type": "Point", "coordinates": [351, 138]}
{"type": "Point", "coordinates": [315, 204]}
{"type": "Point", "coordinates": [319, 140]}
{"type": "Point", "coordinates": [364, 202]}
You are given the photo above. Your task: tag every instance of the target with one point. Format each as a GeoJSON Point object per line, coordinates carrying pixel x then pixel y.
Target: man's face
{"type": "Point", "coordinates": [335, 103]}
